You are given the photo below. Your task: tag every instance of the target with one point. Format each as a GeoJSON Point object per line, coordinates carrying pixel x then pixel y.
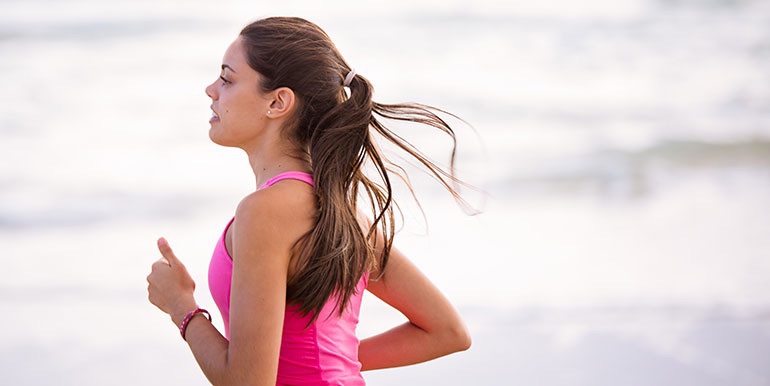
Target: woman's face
{"type": "Point", "coordinates": [238, 105]}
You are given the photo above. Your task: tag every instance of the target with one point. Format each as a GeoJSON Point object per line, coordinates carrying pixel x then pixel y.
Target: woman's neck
{"type": "Point", "coordinates": [266, 166]}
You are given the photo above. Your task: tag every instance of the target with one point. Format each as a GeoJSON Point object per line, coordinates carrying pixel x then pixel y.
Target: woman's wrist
{"type": "Point", "coordinates": [182, 309]}
{"type": "Point", "coordinates": [190, 315]}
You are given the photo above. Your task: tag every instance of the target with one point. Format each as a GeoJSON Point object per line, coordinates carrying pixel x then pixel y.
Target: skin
{"type": "Point", "coordinates": [249, 119]}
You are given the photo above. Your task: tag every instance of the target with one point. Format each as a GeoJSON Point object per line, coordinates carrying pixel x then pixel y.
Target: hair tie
{"type": "Point", "coordinates": [349, 77]}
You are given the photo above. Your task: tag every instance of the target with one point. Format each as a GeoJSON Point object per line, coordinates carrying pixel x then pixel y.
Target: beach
{"type": "Point", "coordinates": [621, 151]}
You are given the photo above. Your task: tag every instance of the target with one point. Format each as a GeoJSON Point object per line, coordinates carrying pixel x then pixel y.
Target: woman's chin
{"type": "Point", "coordinates": [214, 137]}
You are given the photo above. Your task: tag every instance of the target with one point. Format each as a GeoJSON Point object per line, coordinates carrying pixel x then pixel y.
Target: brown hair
{"type": "Point", "coordinates": [337, 132]}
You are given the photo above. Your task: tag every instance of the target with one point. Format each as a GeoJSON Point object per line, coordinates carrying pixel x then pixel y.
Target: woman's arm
{"type": "Point", "coordinates": [171, 288]}
{"type": "Point", "coordinates": [266, 225]}
{"type": "Point", "coordinates": [434, 328]}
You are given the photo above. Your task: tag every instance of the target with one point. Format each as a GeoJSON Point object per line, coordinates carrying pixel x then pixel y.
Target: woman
{"type": "Point", "coordinates": [290, 268]}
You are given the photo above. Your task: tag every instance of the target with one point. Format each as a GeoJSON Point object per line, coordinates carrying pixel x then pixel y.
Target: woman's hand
{"type": "Point", "coordinates": [170, 286]}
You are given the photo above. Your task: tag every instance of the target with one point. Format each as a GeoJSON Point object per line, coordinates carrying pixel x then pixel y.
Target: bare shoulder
{"type": "Point", "coordinates": [286, 198]}
{"type": "Point", "coordinates": [281, 213]}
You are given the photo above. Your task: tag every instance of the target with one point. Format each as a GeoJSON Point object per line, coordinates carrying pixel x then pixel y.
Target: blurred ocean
{"type": "Point", "coordinates": [624, 146]}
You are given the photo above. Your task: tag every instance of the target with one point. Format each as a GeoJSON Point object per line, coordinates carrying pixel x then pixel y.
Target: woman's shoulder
{"type": "Point", "coordinates": [288, 194]}
{"type": "Point", "coordinates": [287, 203]}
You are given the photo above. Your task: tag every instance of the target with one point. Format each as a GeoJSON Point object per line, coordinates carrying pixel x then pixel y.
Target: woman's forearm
{"type": "Point", "coordinates": [208, 346]}
{"type": "Point", "coordinates": [409, 344]}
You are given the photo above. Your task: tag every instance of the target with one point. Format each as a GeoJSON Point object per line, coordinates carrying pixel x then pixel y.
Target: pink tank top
{"type": "Point", "coordinates": [326, 352]}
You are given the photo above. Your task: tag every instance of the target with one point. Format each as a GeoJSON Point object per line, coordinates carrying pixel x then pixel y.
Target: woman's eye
{"type": "Point", "coordinates": [225, 81]}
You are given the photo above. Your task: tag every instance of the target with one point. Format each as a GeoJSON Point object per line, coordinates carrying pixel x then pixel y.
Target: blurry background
{"type": "Point", "coordinates": [624, 146]}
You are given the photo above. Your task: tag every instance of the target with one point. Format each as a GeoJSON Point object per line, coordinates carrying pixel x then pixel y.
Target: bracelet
{"type": "Point", "coordinates": [188, 317]}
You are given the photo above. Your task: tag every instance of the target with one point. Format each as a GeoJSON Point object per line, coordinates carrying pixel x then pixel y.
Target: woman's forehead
{"type": "Point", "coordinates": [234, 57]}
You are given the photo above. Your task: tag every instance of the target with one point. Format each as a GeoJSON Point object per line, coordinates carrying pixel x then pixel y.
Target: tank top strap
{"type": "Point", "coordinates": [301, 176]}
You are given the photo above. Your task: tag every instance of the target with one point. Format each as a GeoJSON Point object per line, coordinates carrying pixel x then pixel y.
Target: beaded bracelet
{"type": "Point", "coordinates": [188, 317]}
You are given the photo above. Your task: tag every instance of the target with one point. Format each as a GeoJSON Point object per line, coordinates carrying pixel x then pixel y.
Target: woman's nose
{"type": "Point", "coordinates": [211, 91]}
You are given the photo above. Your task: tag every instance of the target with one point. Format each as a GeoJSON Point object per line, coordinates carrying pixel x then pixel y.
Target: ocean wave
{"type": "Point", "coordinates": [68, 210]}
{"type": "Point", "coordinates": [639, 172]}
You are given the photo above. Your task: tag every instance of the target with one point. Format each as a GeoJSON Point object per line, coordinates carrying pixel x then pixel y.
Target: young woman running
{"type": "Point", "coordinates": [290, 268]}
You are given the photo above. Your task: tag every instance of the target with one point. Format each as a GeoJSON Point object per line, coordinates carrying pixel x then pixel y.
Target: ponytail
{"type": "Point", "coordinates": [336, 253]}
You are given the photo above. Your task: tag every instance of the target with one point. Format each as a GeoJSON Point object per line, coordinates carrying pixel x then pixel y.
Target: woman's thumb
{"type": "Point", "coordinates": [166, 251]}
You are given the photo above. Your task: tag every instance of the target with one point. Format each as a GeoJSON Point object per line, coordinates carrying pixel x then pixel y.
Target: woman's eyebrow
{"type": "Point", "coordinates": [225, 66]}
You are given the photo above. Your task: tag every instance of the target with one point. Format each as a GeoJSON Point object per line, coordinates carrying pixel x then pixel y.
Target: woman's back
{"type": "Point", "coordinates": [326, 351]}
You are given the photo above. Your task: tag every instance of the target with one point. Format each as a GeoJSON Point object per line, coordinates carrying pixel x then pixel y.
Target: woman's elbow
{"type": "Point", "coordinates": [463, 339]}
{"type": "Point", "coordinates": [458, 338]}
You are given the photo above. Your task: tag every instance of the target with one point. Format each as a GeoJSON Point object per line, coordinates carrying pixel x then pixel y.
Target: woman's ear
{"type": "Point", "coordinates": [282, 102]}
